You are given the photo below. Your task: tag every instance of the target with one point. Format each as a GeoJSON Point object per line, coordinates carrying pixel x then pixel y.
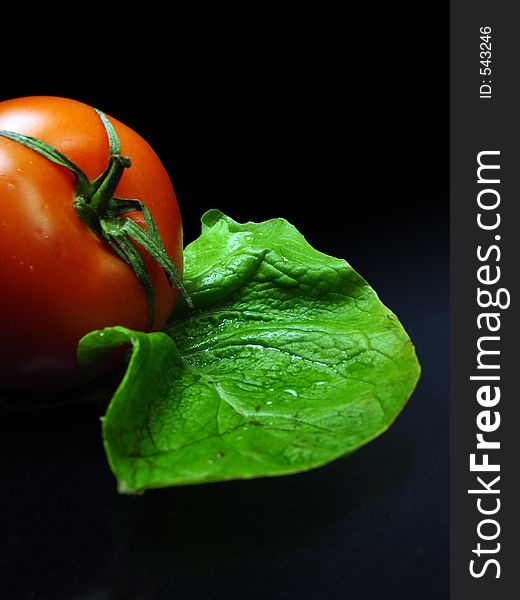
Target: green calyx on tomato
{"type": "Point", "coordinates": [106, 214]}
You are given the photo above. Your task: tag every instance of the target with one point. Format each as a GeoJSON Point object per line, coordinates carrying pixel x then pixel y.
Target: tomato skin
{"type": "Point", "coordinates": [58, 280]}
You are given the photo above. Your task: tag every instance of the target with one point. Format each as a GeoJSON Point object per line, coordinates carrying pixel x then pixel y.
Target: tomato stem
{"type": "Point", "coordinates": [97, 206]}
{"type": "Point", "coordinates": [100, 200]}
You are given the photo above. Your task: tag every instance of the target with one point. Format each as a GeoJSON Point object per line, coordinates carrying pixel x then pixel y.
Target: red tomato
{"type": "Point", "coordinates": [58, 280]}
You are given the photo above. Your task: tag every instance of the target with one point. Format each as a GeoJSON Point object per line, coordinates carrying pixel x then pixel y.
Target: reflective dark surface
{"type": "Point", "coordinates": [262, 127]}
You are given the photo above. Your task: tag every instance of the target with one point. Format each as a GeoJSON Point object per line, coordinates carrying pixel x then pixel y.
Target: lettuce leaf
{"type": "Point", "coordinates": [288, 361]}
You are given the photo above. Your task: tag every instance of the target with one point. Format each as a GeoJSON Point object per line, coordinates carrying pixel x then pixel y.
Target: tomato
{"type": "Point", "coordinates": [58, 279]}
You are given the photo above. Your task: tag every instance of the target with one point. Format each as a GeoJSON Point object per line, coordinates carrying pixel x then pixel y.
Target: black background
{"type": "Point", "coordinates": [341, 127]}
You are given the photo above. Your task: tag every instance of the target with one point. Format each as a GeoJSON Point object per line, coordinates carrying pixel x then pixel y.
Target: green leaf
{"type": "Point", "coordinates": [288, 362]}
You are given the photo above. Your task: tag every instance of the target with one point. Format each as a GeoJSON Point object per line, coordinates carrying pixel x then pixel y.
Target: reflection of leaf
{"type": "Point", "coordinates": [288, 361]}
